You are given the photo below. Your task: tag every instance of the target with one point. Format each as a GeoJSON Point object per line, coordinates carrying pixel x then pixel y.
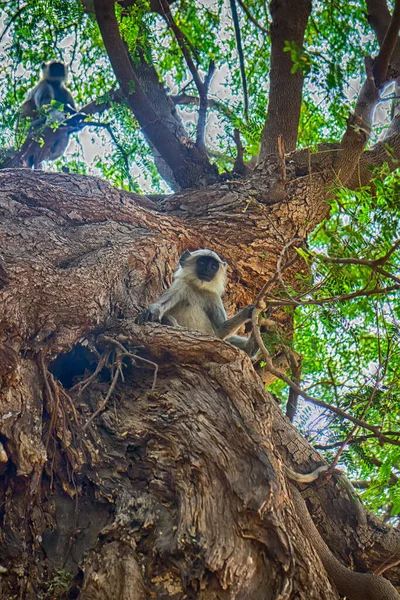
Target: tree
{"type": "Point", "coordinates": [147, 461]}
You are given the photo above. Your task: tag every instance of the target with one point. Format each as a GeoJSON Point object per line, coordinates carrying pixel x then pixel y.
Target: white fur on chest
{"type": "Point", "coordinates": [193, 312]}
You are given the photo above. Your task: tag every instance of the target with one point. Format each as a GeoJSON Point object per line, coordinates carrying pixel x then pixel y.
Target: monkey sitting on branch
{"type": "Point", "coordinates": [194, 300]}
{"type": "Point", "coordinates": [49, 102]}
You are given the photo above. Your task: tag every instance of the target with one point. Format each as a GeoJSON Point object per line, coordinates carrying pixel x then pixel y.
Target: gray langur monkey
{"type": "Point", "coordinates": [194, 300]}
{"type": "Point", "coordinates": [50, 87]}
{"type": "Point", "coordinates": [32, 118]}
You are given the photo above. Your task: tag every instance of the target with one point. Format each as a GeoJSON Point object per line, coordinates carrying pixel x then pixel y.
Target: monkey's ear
{"type": "Point", "coordinates": [184, 257]}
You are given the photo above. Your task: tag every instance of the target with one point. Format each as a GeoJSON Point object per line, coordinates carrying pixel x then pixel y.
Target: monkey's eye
{"type": "Point", "coordinates": [214, 267]}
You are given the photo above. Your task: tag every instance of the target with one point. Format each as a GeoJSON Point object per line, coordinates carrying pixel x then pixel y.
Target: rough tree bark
{"type": "Point", "coordinates": [176, 489]}
{"type": "Point", "coordinates": [290, 18]}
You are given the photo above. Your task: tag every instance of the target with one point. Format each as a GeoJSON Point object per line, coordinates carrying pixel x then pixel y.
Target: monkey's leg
{"type": "Point", "coordinates": [169, 320]}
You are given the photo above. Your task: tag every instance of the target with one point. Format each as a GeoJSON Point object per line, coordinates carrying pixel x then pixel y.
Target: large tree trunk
{"type": "Point", "coordinates": [176, 487]}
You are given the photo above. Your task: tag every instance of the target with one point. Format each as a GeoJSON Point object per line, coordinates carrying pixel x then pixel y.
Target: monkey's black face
{"type": "Point", "coordinates": [206, 268]}
{"type": "Point", "coordinates": [56, 70]}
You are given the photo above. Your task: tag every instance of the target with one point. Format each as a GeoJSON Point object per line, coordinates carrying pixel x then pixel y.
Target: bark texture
{"type": "Point", "coordinates": [176, 489]}
{"type": "Point", "coordinates": [289, 21]}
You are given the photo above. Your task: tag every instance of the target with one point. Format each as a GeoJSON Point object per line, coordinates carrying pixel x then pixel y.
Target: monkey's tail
{"type": "Point", "coordinates": [353, 585]}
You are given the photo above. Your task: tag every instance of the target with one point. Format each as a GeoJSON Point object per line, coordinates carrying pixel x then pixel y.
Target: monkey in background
{"type": "Point", "coordinates": [51, 87]}
{"type": "Point", "coordinates": [194, 300]}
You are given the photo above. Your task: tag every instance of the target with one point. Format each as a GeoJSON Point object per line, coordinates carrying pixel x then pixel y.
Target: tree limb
{"type": "Point", "coordinates": [359, 124]}
{"type": "Point", "coordinates": [176, 152]}
{"type": "Point", "coordinates": [289, 20]}
{"type": "Point", "coordinates": [239, 46]}
{"type": "Point", "coordinates": [379, 19]}
{"type": "Point", "coordinates": [390, 40]}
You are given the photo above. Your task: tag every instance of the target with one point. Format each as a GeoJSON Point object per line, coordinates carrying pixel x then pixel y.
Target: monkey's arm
{"type": "Point", "coordinates": [230, 326]}
{"type": "Point", "coordinates": [70, 102]}
{"type": "Point", "coordinates": [42, 95]}
{"type": "Point", "coordinates": [157, 310]}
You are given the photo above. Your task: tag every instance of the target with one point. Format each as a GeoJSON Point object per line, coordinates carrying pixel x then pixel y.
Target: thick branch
{"type": "Point", "coordinates": [185, 161]}
{"type": "Point", "coordinates": [381, 64]}
{"type": "Point", "coordinates": [359, 124]}
{"type": "Point", "coordinates": [379, 19]}
{"type": "Point", "coordinates": [290, 19]}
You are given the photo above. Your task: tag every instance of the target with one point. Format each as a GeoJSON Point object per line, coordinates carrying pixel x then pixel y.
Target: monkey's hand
{"type": "Point", "coordinates": [248, 311]}
{"type": "Point", "coordinates": [151, 314]}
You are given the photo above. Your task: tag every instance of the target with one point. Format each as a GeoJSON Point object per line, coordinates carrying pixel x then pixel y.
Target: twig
{"type": "Point", "coordinates": [134, 357]}
{"type": "Point", "coordinates": [124, 154]}
{"type": "Point", "coordinates": [110, 391]}
{"type": "Point", "coordinates": [251, 18]}
{"type": "Point", "coordinates": [280, 146]}
{"type": "Point", "coordinates": [81, 385]}
{"type": "Point", "coordinates": [355, 440]}
{"type": "Point", "coordinates": [259, 301]}
{"type": "Point", "coordinates": [273, 301]}
{"type": "Point", "coordinates": [12, 19]}
{"type": "Point", "coordinates": [387, 565]}
{"type": "Point", "coordinates": [281, 375]}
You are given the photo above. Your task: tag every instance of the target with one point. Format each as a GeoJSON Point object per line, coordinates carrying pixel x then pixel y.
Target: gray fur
{"type": "Point", "coordinates": [196, 304]}
{"type": "Point", "coordinates": [48, 89]}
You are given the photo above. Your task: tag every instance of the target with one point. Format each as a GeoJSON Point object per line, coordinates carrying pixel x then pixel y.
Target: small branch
{"type": "Point", "coordinates": [355, 440]}
{"type": "Point", "coordinates": [293, 399]}
{"type": "Point", "coordinates": [239, 46]}
{"type": "Point", "coordinates": [103, 103]}
{"type": "Point", "coordinates": [187, 99]}
{"type": "Point", "coordinates": [361, 261]}
{"type": "Point", "coordinates": [103, 404]}
{"type": "Point", "coordinates": [272, 301]}
{"type": "Point", "coordinates": [359, 124]}
{"type": "Point", "coordinates": [13, 18]}
{"type": "Point", "coordinates": [202, 87]}
{"type": "Point", "coordinates": [281, 375]}
{"type": "Point", "coordinates": [53, 401]}
{"type": "Point", "coordinates": [355, 429]}
{"type": "Point", "coordinates": [184, 44]}
{"type": "Point", "coordinates": [134, 357]}
{"type": "Point", "coordinates": [81, 385]}
{"type": "Point", "coordinates": [251, 18]}
{"type": "Point", "coordinates": [124, 154]}
{"type": "Point", "coordinates": [259, 301]}
{"type": "Point", "coordinates": [201, 123]}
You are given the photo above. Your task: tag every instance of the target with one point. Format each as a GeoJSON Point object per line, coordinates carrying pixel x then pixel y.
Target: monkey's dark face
{"type": "Point", "coordinates": [206, 268]}
{"type": "Point", "coordinates": [54, 71]}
